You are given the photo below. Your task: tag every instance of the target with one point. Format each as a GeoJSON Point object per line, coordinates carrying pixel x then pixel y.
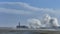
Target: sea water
{"type": "Point", "coordinates": [15, 33]}
{"type": "Point", "coordinates": [10, 33]}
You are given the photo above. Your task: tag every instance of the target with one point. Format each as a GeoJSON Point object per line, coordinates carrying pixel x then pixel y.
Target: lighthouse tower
{"type": "Point", "coordinates": [18, 26]}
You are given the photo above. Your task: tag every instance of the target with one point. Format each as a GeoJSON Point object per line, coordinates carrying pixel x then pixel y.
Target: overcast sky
{"type": "Point", "coordinates": [13, 11]}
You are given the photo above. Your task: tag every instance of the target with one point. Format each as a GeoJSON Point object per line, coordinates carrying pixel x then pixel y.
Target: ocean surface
{"type": "Point", "coordinates": [15, 33]}
{"type": "Point", "coordinates": [22, 31]}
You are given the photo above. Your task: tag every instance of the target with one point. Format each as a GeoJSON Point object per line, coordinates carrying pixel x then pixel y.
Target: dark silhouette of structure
{"type": "Point", "coordinates": [19, 26]}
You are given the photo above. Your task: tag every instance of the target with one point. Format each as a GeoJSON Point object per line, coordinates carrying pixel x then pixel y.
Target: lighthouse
{"type": "Point", "coordinates": [18, 26]}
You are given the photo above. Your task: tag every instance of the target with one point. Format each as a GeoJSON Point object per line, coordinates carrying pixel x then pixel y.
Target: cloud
{"type": "Point", "coordinates": [26, 7]}
{"type": "Point", "coordinates": [14, 11]}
